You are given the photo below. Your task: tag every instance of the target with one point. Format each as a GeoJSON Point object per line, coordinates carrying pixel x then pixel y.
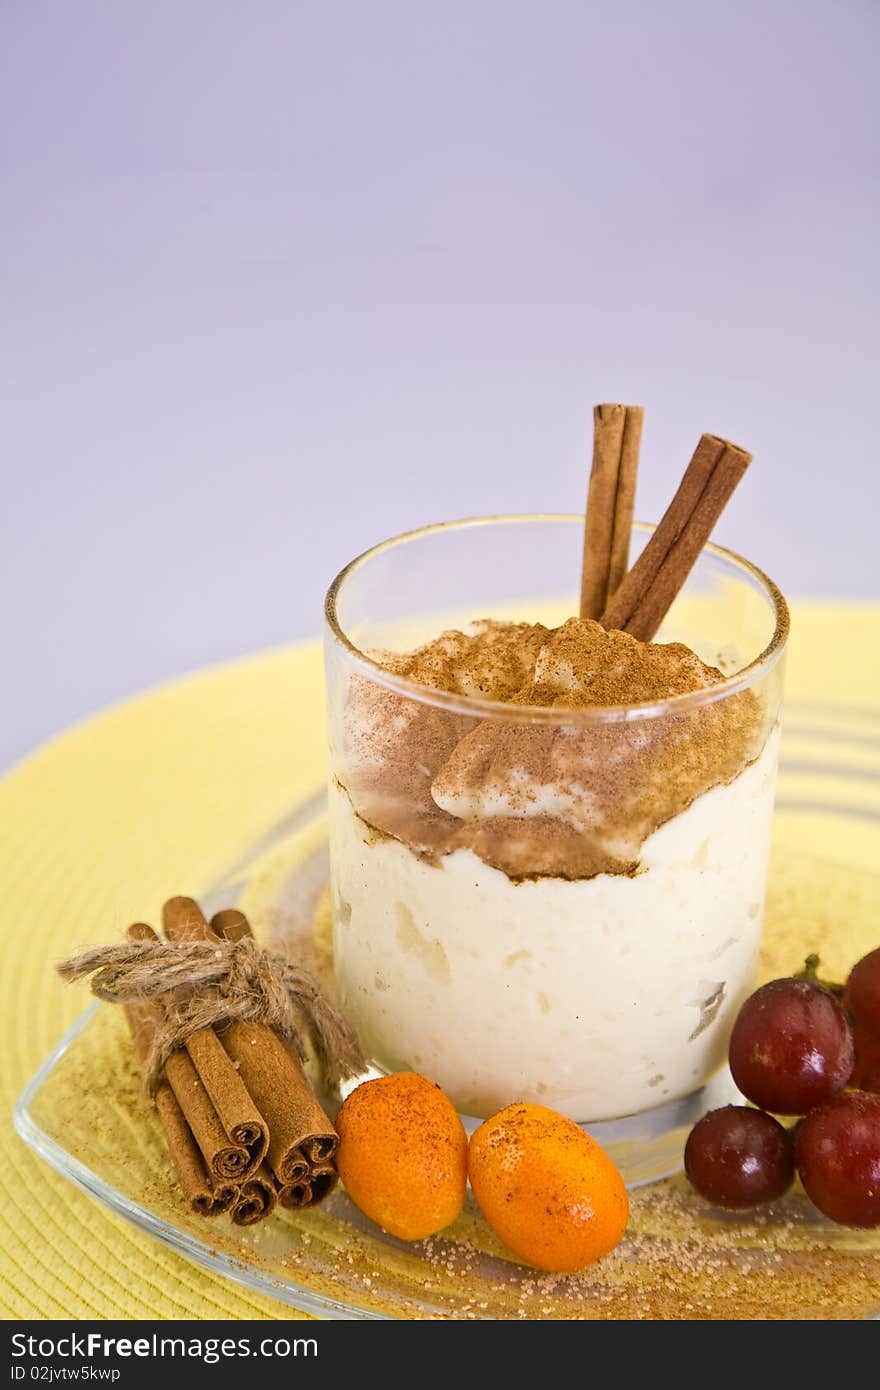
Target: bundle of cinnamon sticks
{"type": "Point", "coordinates": [244, 1128]}
{"type": "Point", "coordinates": [638, 600]}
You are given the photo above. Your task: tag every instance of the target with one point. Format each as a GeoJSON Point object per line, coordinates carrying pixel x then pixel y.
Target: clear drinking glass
{"type": "Point", "coordinates": [503, 967]}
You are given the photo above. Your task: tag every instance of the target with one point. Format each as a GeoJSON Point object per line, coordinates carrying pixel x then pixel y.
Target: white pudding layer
{"type": "Point", "coordinates": [599, 997]}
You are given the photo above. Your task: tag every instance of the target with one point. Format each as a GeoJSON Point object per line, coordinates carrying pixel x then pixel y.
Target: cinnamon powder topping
{"type": "Point", "coordinates": [533, 798]}
{"type": "Point", "coordinates": [494, 661]}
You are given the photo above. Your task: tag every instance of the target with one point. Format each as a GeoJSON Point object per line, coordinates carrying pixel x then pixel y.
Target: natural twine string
{"type": "Point", "coordinates": [209, 984]}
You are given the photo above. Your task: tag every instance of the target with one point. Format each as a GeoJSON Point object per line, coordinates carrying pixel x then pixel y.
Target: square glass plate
{"type": "Point", "coordinates": [83, 1112]}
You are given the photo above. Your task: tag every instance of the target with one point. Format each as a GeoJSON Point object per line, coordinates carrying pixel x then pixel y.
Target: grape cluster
{"type": "Point", "coordinates": [799, 1047]}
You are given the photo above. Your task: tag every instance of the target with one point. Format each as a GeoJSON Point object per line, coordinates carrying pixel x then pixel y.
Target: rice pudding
{"type": "Point", "coordinates": [562, 912]}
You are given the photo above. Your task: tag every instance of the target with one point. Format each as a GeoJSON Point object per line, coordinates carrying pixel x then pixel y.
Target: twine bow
{"type": "Point", "coordinates": [210, 984]}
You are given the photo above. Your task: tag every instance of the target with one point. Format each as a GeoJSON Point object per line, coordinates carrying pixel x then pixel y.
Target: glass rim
{"type": "Point", "coordinates": [554, 714]}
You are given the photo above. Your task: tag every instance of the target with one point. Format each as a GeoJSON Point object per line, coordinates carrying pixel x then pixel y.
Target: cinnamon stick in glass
{"type": "Point", "coordinates": [227, 1124]}
{"type": "Point", "coordinates": [204, 1196]}
{"type": "Point", "coordinates": [647, 592]}
{"type": "Point", "coordinates": [302, 1139]}
{"type": "Point", "coordinates": [617, 433]}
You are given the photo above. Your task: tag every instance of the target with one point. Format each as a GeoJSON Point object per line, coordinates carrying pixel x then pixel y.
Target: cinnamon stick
{"type": "Point", "coordinates": [296, 1195]}
{"type": "Point", "coordinates": [648, 590]}
{"type": "Point", "coordinates": [257, 1198]}
{"type": "Point", "coordinates": [323, 1182]}
{"type": "Point", "coordinates": [302, 1140]}
{"type": "Point", "coordinates": [617, 433]}
{"type": "Point", "coordinates": [210, 1091]}
{"type": "Point", "coordinates": [204, 1197]}
{"type": "Point", "coordinates": [302, 1137]}
{"type": "Point", "coordinates": [309, 1191]}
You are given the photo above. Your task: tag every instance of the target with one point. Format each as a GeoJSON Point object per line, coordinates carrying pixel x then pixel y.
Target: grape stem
{"type": "Point", "coordinates": [811, 972]}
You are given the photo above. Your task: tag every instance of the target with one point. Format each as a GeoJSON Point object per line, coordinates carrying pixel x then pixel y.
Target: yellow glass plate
{"type": "Point", "coordinates": [680, 1258]}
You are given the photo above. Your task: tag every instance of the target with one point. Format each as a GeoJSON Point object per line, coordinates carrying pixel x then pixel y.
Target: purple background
{"type": "Point", "coordinates": [281, 278]}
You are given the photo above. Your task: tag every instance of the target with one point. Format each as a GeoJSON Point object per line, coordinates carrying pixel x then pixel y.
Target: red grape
{"type": "Point", "coordinates": [791, 1047]}
{"type": "Point", "coordinates": [866, 1069]}
{"type": "Point", "coordinates": [738, 1157]}
{"type": "Point", "coordinates": [838, 1158]}
{"type": "Point", "coordinates": [862, 994]}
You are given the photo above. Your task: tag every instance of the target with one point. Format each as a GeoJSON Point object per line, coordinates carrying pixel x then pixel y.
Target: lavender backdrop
{"type": "Point", "coordinates": [280, 278]}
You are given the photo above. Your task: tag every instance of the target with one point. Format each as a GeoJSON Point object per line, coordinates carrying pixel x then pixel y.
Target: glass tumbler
{"type": "Point", "coordinates": [508, 962]}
